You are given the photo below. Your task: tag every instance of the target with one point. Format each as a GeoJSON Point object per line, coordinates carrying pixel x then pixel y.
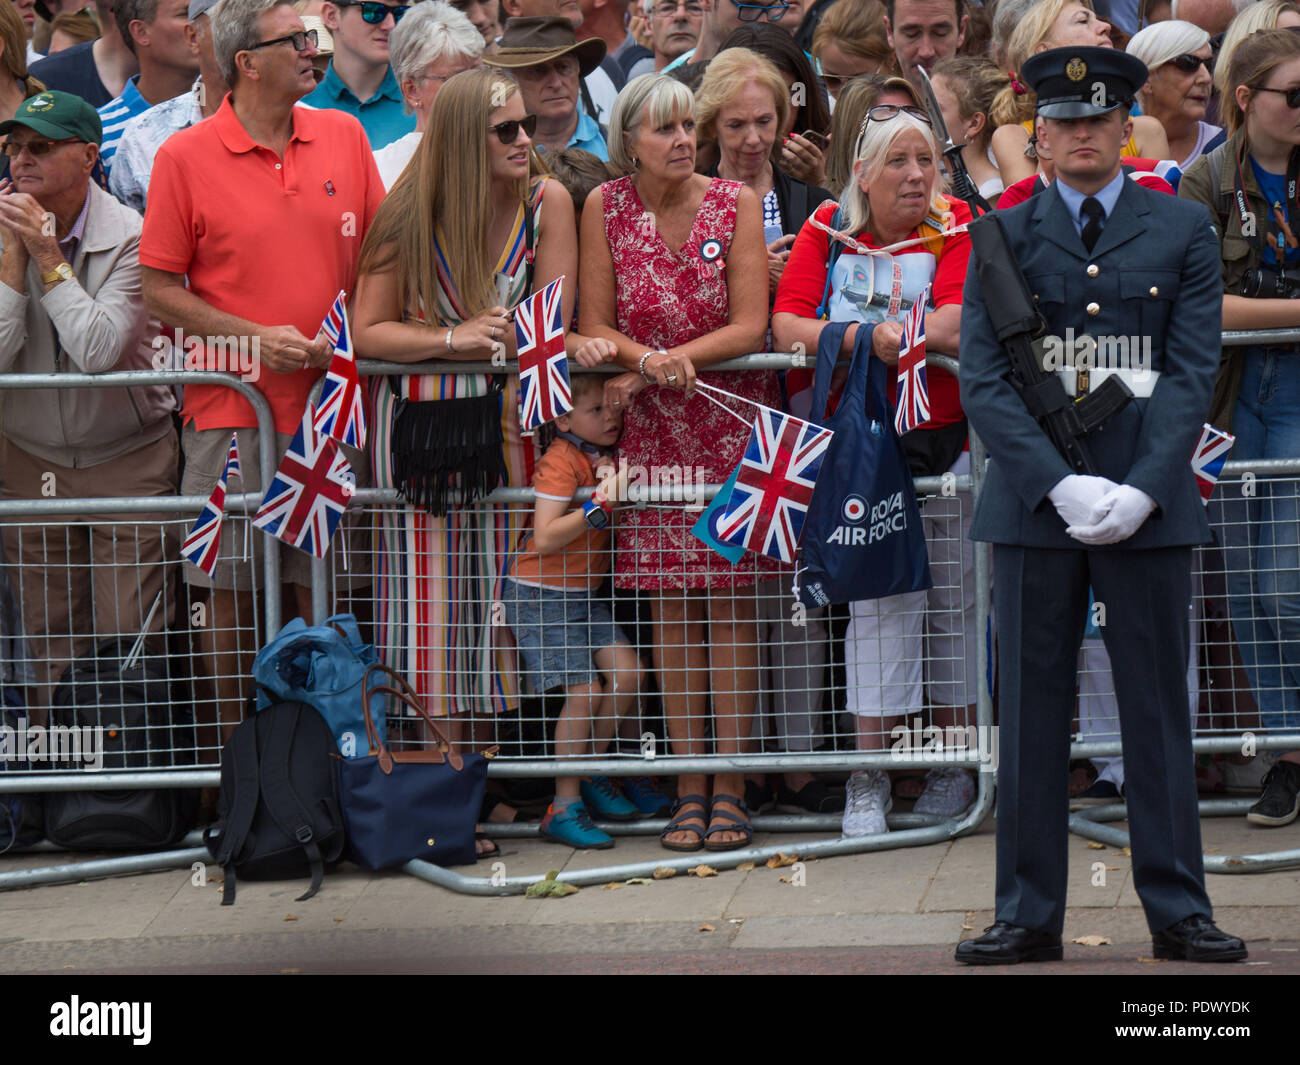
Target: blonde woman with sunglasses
{"type": "Point", "coordinates": [895, 197]}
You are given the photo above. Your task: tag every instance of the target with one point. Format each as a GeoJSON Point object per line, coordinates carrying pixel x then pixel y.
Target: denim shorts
{"type": "Point", "coordinates": [558, 633]}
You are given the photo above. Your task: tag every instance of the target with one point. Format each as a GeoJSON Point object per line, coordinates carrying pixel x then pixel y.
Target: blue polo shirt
{"type": "Point", "coordinates": [587, 137]}
{"type": "Point", "coordinates": [114, 116]}
{"type": "Point", "coordinates": [383, 116]}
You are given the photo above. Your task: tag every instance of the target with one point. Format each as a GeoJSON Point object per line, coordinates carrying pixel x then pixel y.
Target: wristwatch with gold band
{"type": "Point", "coordinates": [62, 272]}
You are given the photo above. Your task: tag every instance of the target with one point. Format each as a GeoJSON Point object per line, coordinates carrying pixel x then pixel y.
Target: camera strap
{"type": "Point", "coordinates": [1243, 206]}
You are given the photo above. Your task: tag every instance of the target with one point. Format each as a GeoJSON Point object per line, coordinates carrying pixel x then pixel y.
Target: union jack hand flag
{"type": "Point", "coordinates": [1208, 459]}
{"type": "Point", "coordinates": [309, 492]}
{"type": "Point", "coordinates": [913, 397]}
{"type": "Point", "coordinates": [543, 365]}
{"type": "Point", "coordinates": [341, 412]}
{"type": "Point", "coordinates": [774, 484]}
{"type": "Point", "coordinates": [200, 547]}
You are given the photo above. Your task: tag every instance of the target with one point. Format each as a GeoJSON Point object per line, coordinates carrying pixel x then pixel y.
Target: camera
{"type": "Point", "coordinates": [1269, 284]}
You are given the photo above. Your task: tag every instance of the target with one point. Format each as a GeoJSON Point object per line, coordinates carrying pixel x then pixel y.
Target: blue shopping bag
{"type": "Point", "coordinates": [323, 666]}
{"type": "Point", "coordinates": [862, 538]}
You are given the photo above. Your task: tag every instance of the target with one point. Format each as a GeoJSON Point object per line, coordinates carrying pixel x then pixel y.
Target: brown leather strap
{"type": "Point", "coordinates": [407, 695]}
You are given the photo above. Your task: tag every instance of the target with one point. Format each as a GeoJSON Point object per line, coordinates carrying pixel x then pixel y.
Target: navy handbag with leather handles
{"type": "Point", "coordinates": [400, 805]}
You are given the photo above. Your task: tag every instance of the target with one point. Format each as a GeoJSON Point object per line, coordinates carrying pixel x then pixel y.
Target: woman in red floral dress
{"type": "Point", "coordinates": [674, 272]}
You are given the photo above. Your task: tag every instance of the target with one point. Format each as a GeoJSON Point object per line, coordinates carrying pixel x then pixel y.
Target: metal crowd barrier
{"type": "Point", "coordinates": [522, 730]}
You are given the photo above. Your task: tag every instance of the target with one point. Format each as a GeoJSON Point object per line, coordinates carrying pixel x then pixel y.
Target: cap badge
{"type": "Point", "coordinates": [1076, 69]}
{"type": "Point", "coordinates": [43, 102]}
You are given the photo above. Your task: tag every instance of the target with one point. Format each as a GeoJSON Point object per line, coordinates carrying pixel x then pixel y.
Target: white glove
{"type": "Point", "coordinates": [1076, 495]}
{"type": "Point", "coordinates": [1116, 516]}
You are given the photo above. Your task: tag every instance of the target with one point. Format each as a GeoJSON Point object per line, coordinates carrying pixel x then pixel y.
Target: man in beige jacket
{"type": "Point", "coordinates": [70, 302]}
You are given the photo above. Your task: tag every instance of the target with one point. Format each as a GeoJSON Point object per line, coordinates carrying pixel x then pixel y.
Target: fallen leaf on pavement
{"type": "Point", "coordinates": [664, 873]}
{"type": "Point", "coordinates": [784, 879]}
{"type": "Point", "coordinates": [707, 928]}
{"type": "Point", "coordinates": [611, 886]}
{"type": "Point", "coordinates": [1092, 941]}
{"type": "Point", "coordinates": [290, 917]}
{"type": "Point", "coordinates": [702, 871]}
{"type": "Point", "coordinates": [1093, 845]}
{"type": "Point", "coordinates": [550, 888]}
{"type": "Point", "coordinates": [639, 880]}
{"type": "Point", "coordinates": [968, 928]}
{"type": "Point", "coordinates": [779, 860]}
{"type": "Point", "coordinates": [744, 867]}
{"type": "Point", "coordinates": [1150, 961]}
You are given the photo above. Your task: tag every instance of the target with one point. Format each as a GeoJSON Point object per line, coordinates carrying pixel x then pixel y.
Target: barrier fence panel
{"type": "Point", "coordinates": [108, 669]}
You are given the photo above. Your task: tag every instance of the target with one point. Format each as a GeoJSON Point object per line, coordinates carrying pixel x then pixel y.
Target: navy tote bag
{"type": "Point", "coordinates": [862, 538]}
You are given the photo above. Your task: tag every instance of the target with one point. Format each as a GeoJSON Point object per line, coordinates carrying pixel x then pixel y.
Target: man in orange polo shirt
{"type": "Point", "coordinates": [254, 225]}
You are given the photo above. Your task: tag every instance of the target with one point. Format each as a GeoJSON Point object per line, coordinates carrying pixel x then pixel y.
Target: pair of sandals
{"type": "Point", "coordinates": [681, 818]}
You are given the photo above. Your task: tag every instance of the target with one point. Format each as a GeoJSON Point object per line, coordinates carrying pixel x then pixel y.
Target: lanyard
{"type": "Point", "coordinates": [1243, 207]}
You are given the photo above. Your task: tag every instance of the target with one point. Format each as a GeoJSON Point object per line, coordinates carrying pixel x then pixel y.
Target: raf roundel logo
{"type": "Point", "coordinates": [711, 250]}
{"type": "Point", "coordinates": [43, 102]}
{"type": "Point", "coordinates": [854, 509]}
{"type": "Point", "coordinates": [1076, 70]}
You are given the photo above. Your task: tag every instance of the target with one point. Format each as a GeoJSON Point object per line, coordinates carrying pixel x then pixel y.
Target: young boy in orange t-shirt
{"type": "Point", "coordinates": [565, 635]}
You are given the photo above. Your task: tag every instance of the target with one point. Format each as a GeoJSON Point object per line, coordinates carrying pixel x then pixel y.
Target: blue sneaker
{"type": "Point", "coordinates": [606, 801]}
{"type": "Point", "coordinates": [646, 796]}
{"type": "Point", "coordinates": [573, 826]}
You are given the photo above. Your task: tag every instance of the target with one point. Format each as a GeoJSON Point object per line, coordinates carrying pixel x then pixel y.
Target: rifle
{"type": "Point", "coordinates": [1017, 323]}
{"type": "Point", "coordinates": [962, 185]}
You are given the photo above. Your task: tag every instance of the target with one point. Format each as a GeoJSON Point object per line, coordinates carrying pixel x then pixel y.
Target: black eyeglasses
{"type": "Point", "coordinates": [884, 112]}
{"type": "Point", "coordinates": [299, 40]}
{"type": "Point", "coordinates": [752, 12]}
{"type": "Point", "coordinates": [373, 11]}
{"type": "Point", "coordinates": [508, 132]}
{"type": "Point", "coordinates": [1292, 95]}
{"type": "Point", "coordinates": [37, 148]}
{"type": "Point", "coordinates": [1188, 63]}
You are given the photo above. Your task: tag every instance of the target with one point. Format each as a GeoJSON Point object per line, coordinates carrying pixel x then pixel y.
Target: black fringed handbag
{"type": "Point", "coordinates": [443, 446]}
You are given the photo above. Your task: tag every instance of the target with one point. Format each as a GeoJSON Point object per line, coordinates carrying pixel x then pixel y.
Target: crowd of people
{"type": "Point", "coordinates": [708, 179]}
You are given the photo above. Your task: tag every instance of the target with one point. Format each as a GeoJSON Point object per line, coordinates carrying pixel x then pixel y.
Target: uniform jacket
{"type": "Point", "coordinates": [1157, 275]}
{"type": "Point", "coordinates": [92, 323]}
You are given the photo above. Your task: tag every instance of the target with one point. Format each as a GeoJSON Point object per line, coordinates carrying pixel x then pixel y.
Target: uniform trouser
{"type": "Point", "coordinates": [1041, 599]}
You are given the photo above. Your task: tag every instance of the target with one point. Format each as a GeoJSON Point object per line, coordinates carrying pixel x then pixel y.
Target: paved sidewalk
{"type": "Point", "coordinates": [851, 913]}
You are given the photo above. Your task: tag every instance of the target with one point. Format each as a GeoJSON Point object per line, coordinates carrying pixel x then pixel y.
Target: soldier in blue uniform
{"type": "Point", "coordinates": [1139, 273]}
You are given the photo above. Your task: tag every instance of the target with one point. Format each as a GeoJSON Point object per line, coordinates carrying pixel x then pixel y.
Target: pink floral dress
{"type": "Point", "coordinates": [665, 299]}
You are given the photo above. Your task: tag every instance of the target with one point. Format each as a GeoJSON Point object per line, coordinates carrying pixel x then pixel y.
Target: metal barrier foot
{"type": "Point", "coordinates": [1084, 823]}
{"type": "Point", "coordinates": [909, 830]}
{"type": "Point", "coordinates": [74, 872]}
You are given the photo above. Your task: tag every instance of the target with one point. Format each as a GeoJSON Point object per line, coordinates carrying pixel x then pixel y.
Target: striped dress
{"type": "Point", "coordinates": [439, 577]}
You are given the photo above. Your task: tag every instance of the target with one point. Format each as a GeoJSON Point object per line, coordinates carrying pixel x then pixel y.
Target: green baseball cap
{"type": "Point", "coordinates": [59, 116]}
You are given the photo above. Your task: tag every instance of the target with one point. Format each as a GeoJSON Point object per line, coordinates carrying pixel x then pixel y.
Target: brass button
{"type": "Point", "coordinates": [1155, 291]}
{"type": "Point", "coordinates": [1093, 270]}
{"type": "Point", "coordinates": [1093, 309]}
{"type": "Point", "coordinates": [429, 841]}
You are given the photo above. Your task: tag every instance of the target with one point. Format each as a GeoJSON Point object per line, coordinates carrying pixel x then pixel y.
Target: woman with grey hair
{"type": "Point", "coordinates": [431, 44]}
{"type": "Point", "coordinates": [1177, 93]}
{"type": "Point", "coordinates": [674, 272]}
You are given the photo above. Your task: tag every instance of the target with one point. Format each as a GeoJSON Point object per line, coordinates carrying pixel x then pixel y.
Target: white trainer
{"type": "Point", "coordinates": [867, 798]}
{"type": "Point", "coordinates": [948, 792]}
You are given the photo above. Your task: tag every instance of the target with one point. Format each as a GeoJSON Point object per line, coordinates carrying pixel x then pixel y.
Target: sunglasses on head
{"type": "Point", "coordinates": [1292, 95]}
{"type": "Point", "coordinates": [508, 132]}
{"type": "Point", "coordinates": [884, 112]}
{"type": "Point", "coordinates": [1188, 63]}
{"type": "Point", "coordinates": [373, 11]}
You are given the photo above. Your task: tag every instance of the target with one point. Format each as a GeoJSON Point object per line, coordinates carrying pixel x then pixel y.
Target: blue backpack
{"type": "Point", "coordinates": [323, 666]}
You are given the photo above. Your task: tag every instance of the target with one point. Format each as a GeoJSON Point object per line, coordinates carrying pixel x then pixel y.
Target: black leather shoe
{"type": "Point", "coordinates": [1196, 938]}
{"type": "Point", "coordinates": [1008, 944]}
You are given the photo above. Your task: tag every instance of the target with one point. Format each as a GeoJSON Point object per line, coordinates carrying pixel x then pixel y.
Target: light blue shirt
{"type": "Point", "coordinates": [383, 116]}
{"type": "Point", "coordinates": [1107, 197]}
{"type": "Point", "coordinates": [587, 137]}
